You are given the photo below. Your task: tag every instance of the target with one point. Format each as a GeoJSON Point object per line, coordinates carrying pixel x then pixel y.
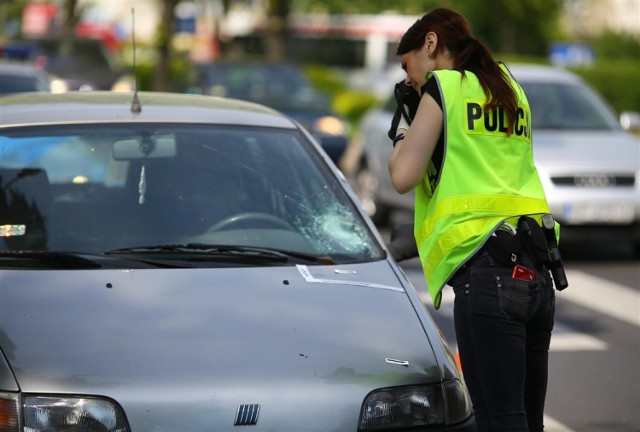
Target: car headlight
{"type": "Point", "coordinates": [47, 413]}
{"type": "Point", "coordinates": [58, 86]}
{"type": "Point", "coordinates": [330, 125]}
{"type": "Point", "coordinates": [412, 406]}
{"type": "Point", "coordinates": [123, 85]}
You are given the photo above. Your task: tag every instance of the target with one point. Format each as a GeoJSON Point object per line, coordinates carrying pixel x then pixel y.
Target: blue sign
{"type": "Point", "coordinates": [185, 25]}
{"type": "Point", "coordinates": [571, 54]}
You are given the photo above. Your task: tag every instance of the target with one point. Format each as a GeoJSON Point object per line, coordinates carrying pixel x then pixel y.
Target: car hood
{"type": "Point", "coordinates": [574, 151]}
{"type": "Point", "coordinates": [196, 343]}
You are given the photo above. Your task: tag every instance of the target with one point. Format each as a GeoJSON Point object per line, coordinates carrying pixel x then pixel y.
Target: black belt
{"type": "Point", "coordinates": [503, 247]}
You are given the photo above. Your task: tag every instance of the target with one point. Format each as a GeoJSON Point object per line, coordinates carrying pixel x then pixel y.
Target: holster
{"type": "Point", "coordinates": [538, 242]}
{"type": "Point", "coordinates": [504, 247]}
{"type": "Point", "coordinates": [507, 248]}
{"type": "Point", "coordinates": [533, 240]}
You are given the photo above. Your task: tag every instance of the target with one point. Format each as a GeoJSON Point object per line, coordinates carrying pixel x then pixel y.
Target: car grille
{"type": "Point", "coordinates": [247, 415]}
{"type": "Point", "coordinates": [595, 180]}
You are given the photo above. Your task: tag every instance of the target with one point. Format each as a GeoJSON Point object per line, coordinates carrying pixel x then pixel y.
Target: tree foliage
{"type": "Point", "coordinates": [523, 26]}
{"type": "Point", "coordinates": [514, 27]}
{"type": "Point", "coordinates": [336, 7]}
{"type": "Point", "coordinates": [616, 45]}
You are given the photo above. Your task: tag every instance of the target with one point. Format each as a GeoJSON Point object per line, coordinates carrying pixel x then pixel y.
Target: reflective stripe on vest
{"type": "Point", "coordinates": [456, 234]}
{"type": "Point", "coordinates": [494, 205]}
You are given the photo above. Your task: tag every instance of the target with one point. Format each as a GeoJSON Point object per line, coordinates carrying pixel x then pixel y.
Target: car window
{"type": "Point", "coordinates": [79, 188]}
{"type": "Point", "coordinates": [560, 106]}
{"type": "Point", "coordinates": [16, 84]}
{"type": "Point", "coordinates": [279, 87]}
{"type": "Point", "coordinates": [566, 106]}
{"type": "Point", "coordinates": [67, 54]}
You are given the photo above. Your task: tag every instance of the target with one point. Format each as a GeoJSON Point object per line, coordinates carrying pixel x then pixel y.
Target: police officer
{"type": "Point", "coordinates": [462, 140]}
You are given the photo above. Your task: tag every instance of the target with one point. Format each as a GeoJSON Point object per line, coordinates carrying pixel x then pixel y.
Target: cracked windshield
{"type": "Point", "coordinates": [102, 188]}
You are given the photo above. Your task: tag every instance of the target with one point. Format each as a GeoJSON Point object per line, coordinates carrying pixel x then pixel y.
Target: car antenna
{"type": "Point", "coordinates": [135, 103]}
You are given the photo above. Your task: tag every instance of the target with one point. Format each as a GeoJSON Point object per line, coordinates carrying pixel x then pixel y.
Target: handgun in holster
{"type": "Point", "coordinates": [541, 245]}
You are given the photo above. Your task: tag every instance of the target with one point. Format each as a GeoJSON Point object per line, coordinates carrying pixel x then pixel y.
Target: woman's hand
{"type": "Point", "coordinates": [407, 100]}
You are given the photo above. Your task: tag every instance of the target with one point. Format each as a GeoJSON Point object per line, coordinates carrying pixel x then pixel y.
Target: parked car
{"type": "Point", "coordinates": [83, 63]}
{"type": "Point", "coordinates": [176, 262]}
{"type": "Point", "coordinates": [283, 87]}
{"type": "Point", "coordinates": [589, 165]}
{"type": "Point", "coordinates": [19, 77]}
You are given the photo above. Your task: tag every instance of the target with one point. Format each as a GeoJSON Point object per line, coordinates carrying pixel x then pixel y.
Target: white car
{"type": "Point", "coordinates": [589, 165]}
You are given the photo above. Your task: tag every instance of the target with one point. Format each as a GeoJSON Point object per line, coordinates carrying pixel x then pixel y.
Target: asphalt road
{"type": "Point", "coordinates": [594, 380]}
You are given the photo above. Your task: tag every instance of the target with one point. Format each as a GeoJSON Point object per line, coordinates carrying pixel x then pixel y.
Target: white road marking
{"type": "Point", "coordinates": [598, 294]}
{"type": "Point", "coordinates": [564, 338]}
{"type": "Point", "coordinates": [552, 425]}
{"type": "Point", "coordinates": [602, 296]}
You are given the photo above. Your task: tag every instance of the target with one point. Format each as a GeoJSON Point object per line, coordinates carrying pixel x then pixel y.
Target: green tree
{"type": "Point", "coordinates": [509, 26]}
{"type": "Point", "coordinates": [72, 15]}
{"type": "Point", "coordinates": [616, 45]}
{"type": "Point", "coordinates": [10, 15]}
{"type": "Point", "coordinates": [277, 29]}
{"type": "Point", "coordinates": [163, 38]}
{"type": "Point", "coordinates": [367, 6]}
{"type": "Point", "coordinates": [514, 27]}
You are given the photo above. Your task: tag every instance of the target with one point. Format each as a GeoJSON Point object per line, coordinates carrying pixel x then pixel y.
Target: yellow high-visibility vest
{"type": "Point", "coordinates": [487, 177]}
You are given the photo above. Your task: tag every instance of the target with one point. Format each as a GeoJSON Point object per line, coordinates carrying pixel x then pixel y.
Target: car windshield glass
{"type": "Point", "coordinates": [105, 187]}
{"type": "Point", "coordinates": [565, 106]}
{"type": "Point", "coordinates": [17, 83]}
{"type": "Point", "coordinates": [280, 87]}
{"type": "Point", "coordinates": [65, 55]}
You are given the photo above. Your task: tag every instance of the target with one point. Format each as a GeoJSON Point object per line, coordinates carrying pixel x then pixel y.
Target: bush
{"type": "Point", "coordinates": [324, 79]}
{"type": "Point", "coordinates": [179, 76]}
{"type": "Point", "coordinates": [353, 104]}
{"type": "Point", "coordinates": [617, 81]}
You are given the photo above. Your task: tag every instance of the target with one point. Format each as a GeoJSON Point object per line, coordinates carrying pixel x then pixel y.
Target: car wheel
{"type": "Point", "coordinates": [366, 187]}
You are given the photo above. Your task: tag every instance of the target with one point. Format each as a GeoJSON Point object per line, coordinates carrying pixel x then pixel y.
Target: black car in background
{"type": "Point", "coordinates": [83, 63]}
{"type": "Point", "coordinates": [283, 87]}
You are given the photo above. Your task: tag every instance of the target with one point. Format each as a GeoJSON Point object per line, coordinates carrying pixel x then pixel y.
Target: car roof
{"type": "Point", "coordinates": [109, 107]}
{"type": "Point", "coordinates": [541, 73]}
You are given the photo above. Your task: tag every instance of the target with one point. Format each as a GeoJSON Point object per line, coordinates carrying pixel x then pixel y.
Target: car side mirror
{"type": "Point", "coordinates": [403, 243]}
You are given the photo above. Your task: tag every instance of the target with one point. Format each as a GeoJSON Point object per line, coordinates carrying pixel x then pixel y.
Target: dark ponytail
{"type": "Point", "coordinates": [468, 53]}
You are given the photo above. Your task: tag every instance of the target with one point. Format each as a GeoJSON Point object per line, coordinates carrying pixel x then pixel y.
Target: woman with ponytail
{"type": "Point", "coordinates": [462, 141]}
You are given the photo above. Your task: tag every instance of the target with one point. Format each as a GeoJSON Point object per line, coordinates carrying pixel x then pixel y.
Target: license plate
{"type": "Point", "coordinates": [616, 213]}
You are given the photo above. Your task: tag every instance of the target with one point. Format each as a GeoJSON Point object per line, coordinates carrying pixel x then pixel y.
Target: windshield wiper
{"type": "Point", "coordinates": [235, 252]}
{"type": "Point", "coordinates": [34, 258]}
{"type": "Point", "coordinates": [75, 260]}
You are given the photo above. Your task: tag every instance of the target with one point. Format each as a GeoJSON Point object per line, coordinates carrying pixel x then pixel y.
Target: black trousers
{"type": "Point", "coordinates": [503, 330]}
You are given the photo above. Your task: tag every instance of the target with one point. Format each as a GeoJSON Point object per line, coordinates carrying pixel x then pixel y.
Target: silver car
{"type": "Point", "coordinates": [188, 263]}
{"type": "Point", "coordinates": [589, 165]}
{"type": "Point", "coordinates": [17, 77]}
